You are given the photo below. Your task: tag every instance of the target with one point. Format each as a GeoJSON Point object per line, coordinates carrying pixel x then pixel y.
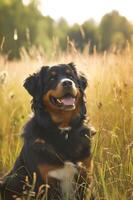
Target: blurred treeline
{"type": "Point", "coordinates": [23, 27]}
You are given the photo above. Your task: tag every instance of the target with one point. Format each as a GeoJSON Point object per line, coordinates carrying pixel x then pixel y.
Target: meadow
{"type": "Point", "coordinates": [110, 109]}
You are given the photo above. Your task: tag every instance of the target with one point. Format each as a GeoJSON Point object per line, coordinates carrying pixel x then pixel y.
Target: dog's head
{"type": "Point", "coordinates": [59, 88]}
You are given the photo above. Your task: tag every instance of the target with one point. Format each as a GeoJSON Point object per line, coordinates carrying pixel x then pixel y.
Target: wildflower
{"type": "Point", "coordinates": [11, 95]}
{"type": "Point", "coordinates": [3, 77]}
{"type": "Point", "coordinates": [99, 105]}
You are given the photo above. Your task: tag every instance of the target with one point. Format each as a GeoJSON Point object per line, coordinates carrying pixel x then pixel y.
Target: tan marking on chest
{"type": "Point", "coordinates": [44, 169]}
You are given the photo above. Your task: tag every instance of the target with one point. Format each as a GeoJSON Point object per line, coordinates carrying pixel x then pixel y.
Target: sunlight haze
{"type": "Point", "coordinates": [81, 10]}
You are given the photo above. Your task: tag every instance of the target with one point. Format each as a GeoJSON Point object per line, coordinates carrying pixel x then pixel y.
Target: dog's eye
{"type": "Point", "coordinates": [52, 79]}
{"type": "Point", "coordinates": [70, 76]}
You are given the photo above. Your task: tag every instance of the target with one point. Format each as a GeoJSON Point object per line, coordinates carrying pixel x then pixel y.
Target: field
{"type": "Point", "coordinates": [110, 108]}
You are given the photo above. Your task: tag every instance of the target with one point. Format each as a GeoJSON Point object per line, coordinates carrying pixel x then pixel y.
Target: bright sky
{"type": "Point", "coordinates": [81, 10]}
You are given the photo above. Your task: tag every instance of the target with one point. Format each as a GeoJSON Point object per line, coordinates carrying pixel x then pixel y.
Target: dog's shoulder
{"type": "Point", "coordinates": [39, 126]}
{"type": "Point", "coordinates": [32, 131]}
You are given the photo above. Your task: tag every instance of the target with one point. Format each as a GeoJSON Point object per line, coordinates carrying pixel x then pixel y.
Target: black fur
{"type": "Point", "coordinates": [56, 149]}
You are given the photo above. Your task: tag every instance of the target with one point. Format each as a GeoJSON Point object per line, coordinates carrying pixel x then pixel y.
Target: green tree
{"type": "Point", "coordinates": [61, 33]}
{"type": "Point", "coordinates": [114, 29]}
{"type": "Point", "coordinates": [84, 34]}
{"type": "Point", "coordinates": [22, 26]}
{"type": "Point", "coordinates": [76, 35]}
{"type": "Point", "coordinates": [91, 35]}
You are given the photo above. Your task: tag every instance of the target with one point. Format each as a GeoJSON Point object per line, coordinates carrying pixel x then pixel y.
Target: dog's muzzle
{"type": "Point", "coordinates": [67, 83]}
{"type": "Point", "coordinates": [68, 94]}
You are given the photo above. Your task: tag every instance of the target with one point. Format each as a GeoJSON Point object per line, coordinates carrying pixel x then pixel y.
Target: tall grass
{"type": "Point", "coordinates": [110, 107]}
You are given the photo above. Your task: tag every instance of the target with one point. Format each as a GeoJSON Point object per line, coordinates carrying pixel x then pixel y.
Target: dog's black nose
{"type": "Point", "coordinates": [67, 84]}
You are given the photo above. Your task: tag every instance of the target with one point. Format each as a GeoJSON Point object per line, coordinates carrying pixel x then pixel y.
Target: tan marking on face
{"type": "Point", "coordinates": [53, 73]}
{"type": "Point", "coordinates": [40, 141]}
{"type": "Point", "coordinates": [58, 92]}
{"type": "Point", "coordinates": [68, 71]}
{"type": "Point", "coordinates": [61, 117]}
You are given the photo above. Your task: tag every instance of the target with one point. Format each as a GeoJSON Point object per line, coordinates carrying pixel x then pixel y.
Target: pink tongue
{"type": "Point", "coordinates": [68, 101]}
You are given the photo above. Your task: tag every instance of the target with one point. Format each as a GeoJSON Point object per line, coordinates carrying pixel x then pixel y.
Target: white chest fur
{"type": "Point", "coordinates": [66, 177]}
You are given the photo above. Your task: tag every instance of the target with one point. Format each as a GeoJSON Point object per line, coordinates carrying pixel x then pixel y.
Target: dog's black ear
{"type": "Point", "coordinates": [33, 83]}
{"type": "Point", "coordinates": [30, 84]}
{"type": "Point", "coordinates": [73, 67]}
{"type": "Point", "coordinates": [83, 81]}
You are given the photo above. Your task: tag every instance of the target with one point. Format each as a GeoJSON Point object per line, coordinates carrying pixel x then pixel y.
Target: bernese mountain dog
{"type": "Point", "coordinates": [55, 162]}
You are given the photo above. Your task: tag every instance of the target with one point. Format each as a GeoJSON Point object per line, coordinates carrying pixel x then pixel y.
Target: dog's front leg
{"type": "Point", "coordinates": [44, 152]}
{"type": "Point", "coordinates": [84, 180]}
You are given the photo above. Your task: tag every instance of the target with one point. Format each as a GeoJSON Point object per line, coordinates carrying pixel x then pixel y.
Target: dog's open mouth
{"type": "Point", "coordinates": [66, 101]}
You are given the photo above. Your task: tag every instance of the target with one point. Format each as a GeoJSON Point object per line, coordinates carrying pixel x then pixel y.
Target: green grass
{"type": "Point", "coordinates": [110, 108]}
